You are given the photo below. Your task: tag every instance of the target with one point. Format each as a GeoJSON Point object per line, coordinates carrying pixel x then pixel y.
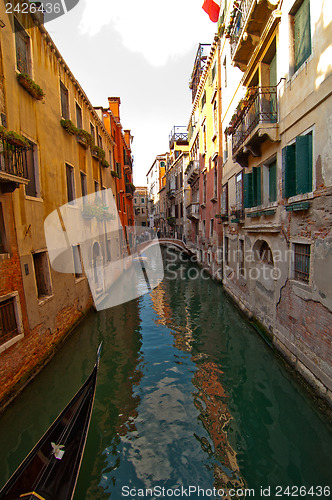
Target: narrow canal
{"type": "Point", "coordinates": [188, 394]}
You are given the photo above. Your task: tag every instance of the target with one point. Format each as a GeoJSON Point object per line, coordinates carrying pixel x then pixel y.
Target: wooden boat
{"type": "Point", "coordinates": [51, 469]}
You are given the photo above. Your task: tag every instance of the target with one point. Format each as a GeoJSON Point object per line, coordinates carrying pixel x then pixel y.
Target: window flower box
{"type": "Point", "coordinates": [30, 86]}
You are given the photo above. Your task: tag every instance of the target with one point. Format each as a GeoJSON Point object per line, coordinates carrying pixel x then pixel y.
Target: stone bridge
{"type": "Point", "coordinates": [170, 242]}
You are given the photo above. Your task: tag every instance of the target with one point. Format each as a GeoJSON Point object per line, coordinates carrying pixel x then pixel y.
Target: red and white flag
{"type": "Point", "coordinates": [212, 8]}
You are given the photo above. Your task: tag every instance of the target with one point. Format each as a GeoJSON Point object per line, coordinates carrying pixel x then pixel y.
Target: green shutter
{"type": "Point", "coordinates": [302, 34]}
{"type": "Point", "coordinates": [273, 182]}
{"type": "Point", "coordinates": [247, 191]}
{"type": "Point", "coordinates": [304, 163]}
{"type": "Point", "coordinates": [256, 186]}
{"type": "Point", "coordinates": [288, 171]}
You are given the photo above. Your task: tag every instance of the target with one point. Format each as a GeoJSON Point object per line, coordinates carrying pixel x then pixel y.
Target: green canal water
{"type": "Point", "coordinates": [188, 396]}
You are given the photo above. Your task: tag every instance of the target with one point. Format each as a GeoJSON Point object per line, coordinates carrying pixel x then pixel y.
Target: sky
{"type": "Point", "coordinates": [142, 51]}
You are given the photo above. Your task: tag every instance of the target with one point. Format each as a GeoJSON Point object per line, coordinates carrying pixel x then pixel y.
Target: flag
{"type": "Point", "coordinates": [212, 8]}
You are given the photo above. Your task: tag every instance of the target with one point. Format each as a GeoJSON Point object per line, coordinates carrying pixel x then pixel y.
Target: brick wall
{"type": "Point", "coordinates": [311, 323]}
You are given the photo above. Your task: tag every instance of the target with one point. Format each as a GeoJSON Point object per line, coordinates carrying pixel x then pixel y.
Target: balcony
{"type": "Point", "coordinates": [127, 165]}
{"type": "Point", "coordinates": [248, 21]}
{"type": "Point", "coordinates": [193, 211]}
{"type": "Point", "coordinates": [130, 189]}
{"type": "Point", "coordinates": [199, 64]}
{"type": "Point", "coordinates": [178, 134]}
{"type": "Point", "coordinates": [192, 171]}
{"type": "Point", "coordinates": [256, 121]}
{"type": "Point", "coordinates": [13, 165]}
{"type": "Point", "coordinates": [171, 193]}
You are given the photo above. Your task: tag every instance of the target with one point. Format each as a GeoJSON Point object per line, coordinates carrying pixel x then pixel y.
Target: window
{"type": "Point", "coordinates": [3, 238]}
{"type": "Point", "coordinates": [70, 183]}
{"type": "Point", "coordinates": [204, 137]}
{"type": "Point", "coordinates": [225, 147]}
{"type": "Point", "coordinates": [100, 142]}
{"type": "Point", "coordinates": [96, 184]}
{"type": "Point", "coordinates": [238, 191]}
{"type": "Point", "coordinates": [215, 182]}
{"type": "Point", "coordinates": [64, 101]}
{"type": "Point", "coordinates": [135, 201]}
{"type": "Point", "coordinates": [203, 228]}
{"type": "Point", "coordinates": [214, 69]}
{"type": "Point", "coordinates": [215, 119]}
{"type": "Point", "coordinates": [297, 167]}
{"type": "Point", "coordinates": [92, 131]}
{"type": "Point", "coordinates": [22, 42]}
{"type": "Point", "coordinates": [110, 153]}
{"type": "Point", "coordinates": [270, 182]}
{"type": "Point", "coordinates": [224, 200]}
{"type": "Point", "coordinates": [83, 185]}
{"type": "Point", "coordinates": [301, 262]}
{"type": "Point", "coordinates": [78, 116]}
{"type": "Point", "coordinates": [118, 169]}
{"type": "Point", "coordinates": [42, 274]}
{"type": "Point", "coordinates": [77, 261]}
{"type": "Point", "coordinates": [31, 162]}
{"type": "Point", "coordinates": [302, 34]}
{"type": "Point", "coordinates": [252, 188]}
{"type": "Point", "coordinates": [204, 189]}
{"type": "Point", "coordinates": [8, 322]}
{"type": "Point", "coordinates": [203, 100]}
{"type": "Point", "coordinates": [211, 227]}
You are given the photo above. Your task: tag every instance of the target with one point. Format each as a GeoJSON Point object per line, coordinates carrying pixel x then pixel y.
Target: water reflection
{"type": "Point", "coordinates": [210, 398]}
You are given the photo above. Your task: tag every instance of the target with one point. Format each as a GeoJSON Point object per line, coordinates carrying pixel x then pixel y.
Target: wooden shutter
{"type": "Point", "coordinates": [256, 186]}
{"type": "Point", "coordinates": [302, 34]}
{"type": "Point", "coordinates": [304, 163]}
{"type": "Point", "coordinates": [288, 171]}
{"type": "Point", "coordinates": [247, 189]}
{"type": "Point", "coordinates": [273, 182]}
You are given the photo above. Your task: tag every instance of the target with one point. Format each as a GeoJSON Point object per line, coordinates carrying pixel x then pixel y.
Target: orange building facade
{"type": "Point", "coordinates": [121, 161]}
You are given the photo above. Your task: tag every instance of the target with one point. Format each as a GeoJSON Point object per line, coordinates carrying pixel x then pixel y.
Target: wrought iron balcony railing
{"type": "Point", "coordinates": [247, 22]}
{"type": "Point", "coordinates": [259, 109]}
{"type": "Point", "coordinates": [13, 162]}
{"type": "Point", "coordinates": [178, 133]}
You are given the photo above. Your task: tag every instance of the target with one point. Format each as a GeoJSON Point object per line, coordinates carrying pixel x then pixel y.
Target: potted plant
{"type": "Point", "coordinates": [114, 173]}
{"type": "Point", "coordinates": [84, 138]}
{"type": "Point", "coordinates": [68, 126]}
{"type": "Point", "coordinates": [104, 163]}
{"type": "Point", "coordinates": [98, 152]}
{"type": "Point", "coordinates": [30, 86]}
{"type": "Point", "coordinates": [16, 140]}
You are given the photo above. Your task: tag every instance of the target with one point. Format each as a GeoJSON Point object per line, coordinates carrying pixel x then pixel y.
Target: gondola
{"type": "Point", "coordinates": [51, 469]}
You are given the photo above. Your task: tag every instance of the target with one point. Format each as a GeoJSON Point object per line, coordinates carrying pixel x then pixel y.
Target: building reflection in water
{"type": "Point", "coordinates": [210, 398]}
{"type": "Point", "coordinates": [116, 401]}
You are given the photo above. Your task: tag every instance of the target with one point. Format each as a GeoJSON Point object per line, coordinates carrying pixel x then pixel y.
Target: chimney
{"type": "Point", "coordinates": [114, 105]}
{"type": "Point", "coordinates": [128, 137]}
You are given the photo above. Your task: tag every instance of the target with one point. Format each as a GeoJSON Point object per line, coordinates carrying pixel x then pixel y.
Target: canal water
{"type": "Point", "coordinates": [189, 396]}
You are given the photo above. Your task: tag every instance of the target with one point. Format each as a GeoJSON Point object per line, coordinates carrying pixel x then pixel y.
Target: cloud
{"type": "Point", "coordinates": [158, 30]}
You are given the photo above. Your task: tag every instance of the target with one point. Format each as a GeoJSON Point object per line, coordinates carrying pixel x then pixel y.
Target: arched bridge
{"type": "Point", "coordinates": [170, 242]}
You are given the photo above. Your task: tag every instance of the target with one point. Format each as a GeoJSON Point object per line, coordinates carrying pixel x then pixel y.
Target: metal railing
{"type": "Point", "coordinates": [178, 133]}
{"type": "Point", "coordinates": [13, 160]}
{"type": "Point", "coordinates": [259, 108]}
{"type": "Point", "coordinates": [240, 18]}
